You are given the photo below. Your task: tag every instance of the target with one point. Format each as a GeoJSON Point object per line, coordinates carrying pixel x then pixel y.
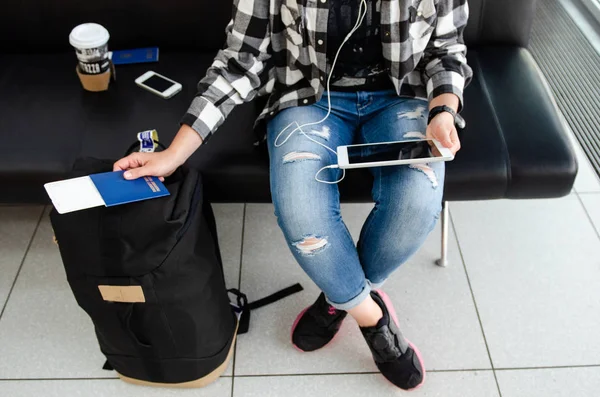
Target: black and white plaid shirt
{"type": "Point", "coordinates": [278, 47]}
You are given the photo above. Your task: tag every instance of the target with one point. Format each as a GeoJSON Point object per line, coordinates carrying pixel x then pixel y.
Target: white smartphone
{"type": "Point", "coordinates": [392, 153]}
{"type": "Point", "coordinates": [158, 84]}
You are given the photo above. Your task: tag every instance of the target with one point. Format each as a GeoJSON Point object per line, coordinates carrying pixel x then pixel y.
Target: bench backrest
{"type": "Point", "coordinates": [35, 26]}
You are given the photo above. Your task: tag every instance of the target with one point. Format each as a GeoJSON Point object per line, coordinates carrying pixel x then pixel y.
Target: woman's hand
{"type": "Point", "coordinates": [137, 165]}
{"type": "Point", "coordinates": [161, 164]}
{"type": "Point", "coordinates": [442, 126]}
{"type": "Point", "coordinates": [443, 130]}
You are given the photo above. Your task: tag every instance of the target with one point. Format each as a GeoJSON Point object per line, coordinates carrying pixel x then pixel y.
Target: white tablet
{"type": "Point", "coordinates": [392, 153]}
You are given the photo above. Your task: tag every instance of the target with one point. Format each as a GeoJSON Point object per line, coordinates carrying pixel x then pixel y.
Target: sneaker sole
{"type": "Point", "coordinates": [294, 328]}
{"type": "Point", "coordinates": [390, 307]}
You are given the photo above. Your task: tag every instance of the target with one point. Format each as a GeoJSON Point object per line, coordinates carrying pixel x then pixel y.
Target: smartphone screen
{"type": "Point", "coordinates": [158, 83]}
{"type": "Point", "coordinates": [389, 152]}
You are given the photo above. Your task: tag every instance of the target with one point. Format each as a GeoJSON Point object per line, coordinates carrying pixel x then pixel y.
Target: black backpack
{"type": "Point", "coordinates": [150, 276]}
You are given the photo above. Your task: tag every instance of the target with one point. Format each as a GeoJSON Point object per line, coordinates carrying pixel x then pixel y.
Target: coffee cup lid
{"type": "Point", "coordinates": [88, 35]}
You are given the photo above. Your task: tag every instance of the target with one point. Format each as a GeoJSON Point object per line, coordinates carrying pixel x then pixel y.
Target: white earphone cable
{"type": "Point", "coordinates": [362, 12]}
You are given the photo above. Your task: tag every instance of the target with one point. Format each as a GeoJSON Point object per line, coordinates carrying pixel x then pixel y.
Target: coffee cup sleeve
{"type": "Point", "coordinates": [97, 82]}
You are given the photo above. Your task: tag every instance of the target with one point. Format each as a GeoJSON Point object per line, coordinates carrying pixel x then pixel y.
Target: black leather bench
{"type": "Point", "coordinates": [514, 146]}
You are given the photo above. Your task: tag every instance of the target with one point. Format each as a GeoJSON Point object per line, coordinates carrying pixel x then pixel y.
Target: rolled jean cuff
{"type": "Point", "coordinates": [376, 286]}
{"type": "Point", "coordinates": [357, 300]}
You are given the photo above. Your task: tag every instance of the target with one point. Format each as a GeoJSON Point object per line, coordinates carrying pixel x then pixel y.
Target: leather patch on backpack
{"type": "Point", "coordinates": [122, 293]}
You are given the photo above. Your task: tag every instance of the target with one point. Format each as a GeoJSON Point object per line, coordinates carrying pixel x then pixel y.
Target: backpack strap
{"type": "Point", "coordinates": [267, 300]}
{"type": "Point", "coordinates": [245, 308]}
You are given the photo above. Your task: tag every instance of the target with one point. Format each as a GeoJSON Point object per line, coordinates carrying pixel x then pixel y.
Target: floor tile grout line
{"type": "Point", "coordinates": [588, 215]}
{"type": "Point", "coordinates": [441, 371]}
{"type": "Point", "coordinates": [548, 367]}
{"type": "Point", "coordinates": [12, 287]}
{"type": "Point", "coordinates": [238, 286]}
{"type": "Point", "coordinates": [432, 371]}
{"type": "Point", "coordinates": [53, 379]}
{"type": "Point", "coordinates": [471, 290]}
{"type": "Point", "coordinates": [462, 258]}
{"type": "Point", "coordinates": [586, 193]}
{"type": "Point", "coordinates": [75, 379]}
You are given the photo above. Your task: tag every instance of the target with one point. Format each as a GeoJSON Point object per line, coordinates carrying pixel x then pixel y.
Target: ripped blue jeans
{"type": "Point", "coordinates": [407, 198]}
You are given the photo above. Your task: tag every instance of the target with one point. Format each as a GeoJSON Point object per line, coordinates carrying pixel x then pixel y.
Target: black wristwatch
{"type": "Point", "coordinates": [440, 109]}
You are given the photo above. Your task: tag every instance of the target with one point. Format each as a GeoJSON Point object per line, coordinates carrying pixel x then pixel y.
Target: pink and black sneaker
{"type": "Point", "coordinates": [316, 325]}
{"type": "Point", "coordinates": [397, 359]}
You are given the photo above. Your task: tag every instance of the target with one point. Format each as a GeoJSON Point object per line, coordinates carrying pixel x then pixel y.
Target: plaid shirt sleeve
{"type": "Point", "coordinates": [446, 69]}
{"type": "Point", "coordinates": [238, 72]}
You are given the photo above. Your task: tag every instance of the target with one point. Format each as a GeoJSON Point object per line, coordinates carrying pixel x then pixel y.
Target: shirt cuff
{"type": "Point", "coordinates": [446, 82]}
{"type": "Point", "coordinates": [203, 117]}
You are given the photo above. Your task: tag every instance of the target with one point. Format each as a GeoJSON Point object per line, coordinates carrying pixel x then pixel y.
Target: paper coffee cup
{"type": "Point", "coordinates": [90, 41]}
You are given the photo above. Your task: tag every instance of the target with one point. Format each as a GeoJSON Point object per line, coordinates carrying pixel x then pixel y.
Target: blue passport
{"type": "Point", "coordinates": [115, 189]}
{"type": "Point", "coordinates": [138, 55]}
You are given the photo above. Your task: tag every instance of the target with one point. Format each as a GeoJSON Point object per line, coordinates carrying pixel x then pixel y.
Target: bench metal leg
{"type": "Point", "coordinates": [443, 261]}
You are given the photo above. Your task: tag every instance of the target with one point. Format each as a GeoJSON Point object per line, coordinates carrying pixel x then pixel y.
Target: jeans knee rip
{"type": "Point", "coordinates": [414, 134]}
{"type": "Point", "coordinates": [324, 133]}
{"type": "Point", "coordinates": [417, 114]}
{"type": "Point", "coordinates": [295, 156]}
{"type": "Point", "coordinates": [428, 171]}
{"type": "Point", "coordinates": [311, 245]}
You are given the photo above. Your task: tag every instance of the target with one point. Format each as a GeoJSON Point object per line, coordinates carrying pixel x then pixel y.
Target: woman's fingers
{"type": "Point", "coordinates": [134, 160]}
{"type": "Point", "coordinates": [136, 173]}
{"type": "Point", "coordinates": [440, 132]}
{"type": "Point", "coordinates": [446, 134]}
{"type": "Point", "coordinates": [133, 165]}
{"type": "Point", "coordinates": [137, 165]}
{"type": "Point", "coordinates": [455, 140]}
{"type": "Point", "coordinates": [445, 138]}
{"type": "Point", "coordinates": [121, 165]}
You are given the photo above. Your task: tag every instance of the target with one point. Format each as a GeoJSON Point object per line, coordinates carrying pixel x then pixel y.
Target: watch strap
{"type": "Point", "coordinates": [440, 109]}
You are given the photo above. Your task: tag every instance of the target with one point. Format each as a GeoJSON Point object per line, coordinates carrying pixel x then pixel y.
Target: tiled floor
{"type": "Point", "coordinates": [515, 314]}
